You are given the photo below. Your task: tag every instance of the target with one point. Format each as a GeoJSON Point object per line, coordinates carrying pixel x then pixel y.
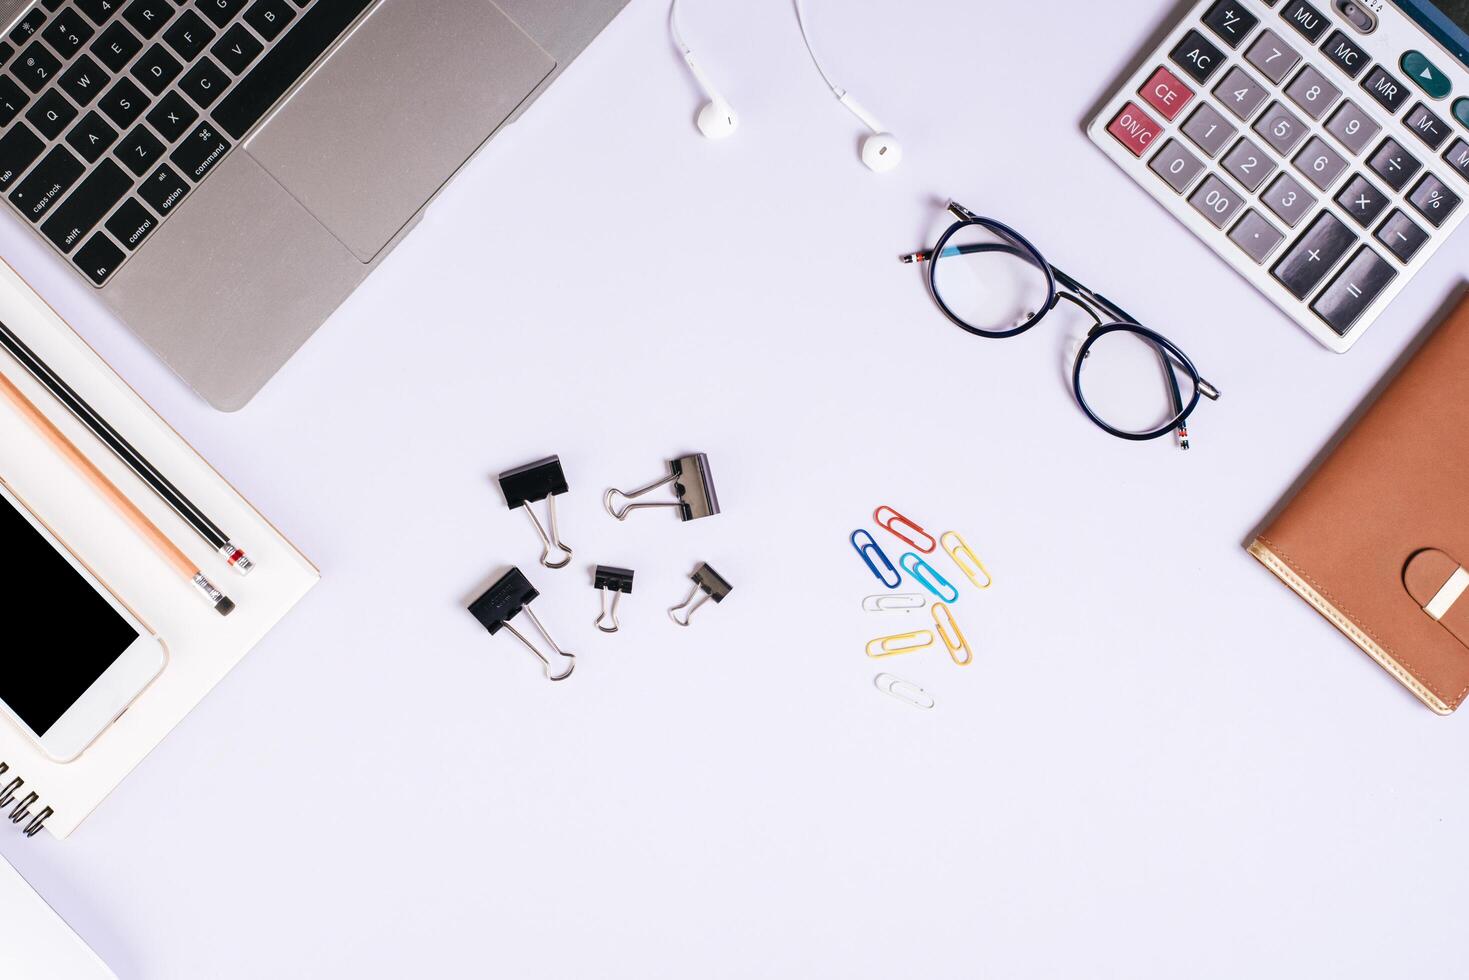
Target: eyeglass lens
{"type": "Point", "coordinates": [1128, 381]}
{"type": "Point", "coordinates": [989, 281]}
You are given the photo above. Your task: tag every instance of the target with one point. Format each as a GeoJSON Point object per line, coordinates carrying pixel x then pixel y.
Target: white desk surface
{"type": "Point", "coordinates": [1161, 764]}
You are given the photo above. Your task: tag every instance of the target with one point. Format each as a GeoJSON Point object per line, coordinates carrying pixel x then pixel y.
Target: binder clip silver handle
{"type": "Point", "coordinates": [545, 660]}
{"type": "Point", "coordinates": [707, 581]}
{"type": "Point", "coordinates": [621, 515]}
{"type": "Point", "coordinates": [693, 489]}
{"type": "Point", "coordinates": [551, 541]}
{"type": "Point", "coordinates": [609, 614]}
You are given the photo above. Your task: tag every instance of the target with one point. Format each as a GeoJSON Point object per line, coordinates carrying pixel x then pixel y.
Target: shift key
{"type": "Point", "coordinates": [87, 205]}
{"type": "Point", "coordinates": [200, 151]}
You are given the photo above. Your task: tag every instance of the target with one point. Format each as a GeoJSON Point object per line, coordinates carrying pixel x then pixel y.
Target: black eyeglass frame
{"type": "Point", "coordinates": [1107, 317]}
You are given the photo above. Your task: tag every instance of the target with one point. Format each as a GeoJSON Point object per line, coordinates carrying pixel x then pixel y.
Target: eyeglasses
{"type": "Point", "coordinates": [989, 280]}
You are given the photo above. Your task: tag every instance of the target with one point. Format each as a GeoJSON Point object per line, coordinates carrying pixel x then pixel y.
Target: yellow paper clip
{"type": "Point", "coordinates": [891, 646]}
{"type": "Point", "coordinates": [966, 559]}
{"type": "Point", "coordinates": [953, 636]}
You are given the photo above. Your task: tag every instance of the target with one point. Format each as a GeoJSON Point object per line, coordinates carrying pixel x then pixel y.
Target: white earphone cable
{"type": "Point", "coordinates": [801, 20]}
{"type": "Point", "coordinates": [683, 45]}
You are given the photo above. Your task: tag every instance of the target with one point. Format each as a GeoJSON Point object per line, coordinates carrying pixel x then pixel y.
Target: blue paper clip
{"type": "Point", "coordinates": [868, 550]}
{"type": "Point", "coordinates": [927, 576]}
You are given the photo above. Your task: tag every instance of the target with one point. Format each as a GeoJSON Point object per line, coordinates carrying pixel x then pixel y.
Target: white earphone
{"type": "Point", "coordinates": [717, 119]}
{"type": "Point", "coordinates": [881, 151]}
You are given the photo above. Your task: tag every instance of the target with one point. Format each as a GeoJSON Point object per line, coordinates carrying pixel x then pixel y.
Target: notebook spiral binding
{"type": "Point", "coordinates": [22, 809]}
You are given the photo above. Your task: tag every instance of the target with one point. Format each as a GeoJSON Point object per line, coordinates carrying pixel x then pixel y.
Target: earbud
{"type": "Point", "coordinates": [717, 119]}
{"type": "Point", "coordinates": [881, 151]}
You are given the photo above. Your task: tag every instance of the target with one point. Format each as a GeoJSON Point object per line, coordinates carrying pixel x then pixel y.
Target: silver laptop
{"type": "Point", "coordinates": [225, 172]}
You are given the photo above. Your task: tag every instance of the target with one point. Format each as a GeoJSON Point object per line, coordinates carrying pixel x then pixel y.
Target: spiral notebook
{"type": "Point", "coordinates": [36, 791]}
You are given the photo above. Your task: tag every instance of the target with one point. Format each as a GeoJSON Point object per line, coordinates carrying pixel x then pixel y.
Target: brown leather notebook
{"type": "Point", "coordinates": [1378, 537]}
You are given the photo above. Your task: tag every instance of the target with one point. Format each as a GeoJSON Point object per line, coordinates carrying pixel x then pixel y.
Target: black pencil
{"type": "Point", "coordinates": [233, 555]}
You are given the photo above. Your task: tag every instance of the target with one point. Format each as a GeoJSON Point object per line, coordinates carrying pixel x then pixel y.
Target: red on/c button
{"type": "Point", "coordinates": [1134, 129]}
{"type": "Point", "coordinates": [1166, 93]}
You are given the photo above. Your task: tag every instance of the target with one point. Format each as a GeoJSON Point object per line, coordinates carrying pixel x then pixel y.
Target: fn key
{"type": "Point", "coordinates": [98, 258]}
{"type": "Point", "coordinates": [1353, 290]}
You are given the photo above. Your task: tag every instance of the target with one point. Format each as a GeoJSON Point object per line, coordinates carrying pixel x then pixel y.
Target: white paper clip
{"type": "Point", "coordinates": [905, 691]}
{"type": "Point", "coordinates": [903, 602]}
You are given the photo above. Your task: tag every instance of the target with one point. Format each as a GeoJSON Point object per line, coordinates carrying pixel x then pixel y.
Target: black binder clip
{"type": "Point", "coordinates": [510, 596]}
{"type": "Point", "coordinates": [609, 578]}
{"type": "Point", "coordinates": [527, 484]}
{"type": "Point", "coordinates": [692, 485]}
{"type": "Point", "coordinates": [707, 581]}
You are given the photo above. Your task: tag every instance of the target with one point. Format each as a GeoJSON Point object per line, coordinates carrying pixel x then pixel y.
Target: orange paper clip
{"type": "Point", "coordinates": [893, 524]}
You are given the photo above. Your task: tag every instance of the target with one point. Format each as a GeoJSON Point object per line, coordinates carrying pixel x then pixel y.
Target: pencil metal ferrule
{"type": "Point", "coordinates": [220, 602]}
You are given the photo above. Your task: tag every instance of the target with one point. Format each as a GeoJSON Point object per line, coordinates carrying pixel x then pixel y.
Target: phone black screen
{"type": "Point", "coordinates": [59, 633]}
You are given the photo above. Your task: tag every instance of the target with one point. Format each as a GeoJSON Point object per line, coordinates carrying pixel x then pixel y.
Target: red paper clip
{"type": "Point", "coordinates": [892, 524]}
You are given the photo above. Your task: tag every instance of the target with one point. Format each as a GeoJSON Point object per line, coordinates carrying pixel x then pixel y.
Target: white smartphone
{"type": "Point", "coordinates": [76, 656]}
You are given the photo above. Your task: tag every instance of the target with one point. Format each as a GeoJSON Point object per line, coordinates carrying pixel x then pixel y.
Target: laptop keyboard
{"type": "Point", "coordinates": [113, 111]}
{"type": "Point", "coordinates": [1325, 166]}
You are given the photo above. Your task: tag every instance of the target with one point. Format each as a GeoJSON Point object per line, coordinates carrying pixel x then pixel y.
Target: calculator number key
{"type": "Point", "coordinates": [1176, 165]}
{"type": "Point", "coordinates": [1248, 164]}
{"type": "Point", "coordinates": [1320, 163]}
{"type": "Point", "coordinates": [1208, 129]}
{"type": "Point", "coordinates": [1273, 56]}
{"type": "Point", "coordinates": [1216, 201]}
{"type": "Point", "coordinates": [1352, 127]}
{"type": "Point", "coordinates": [1240, 93]}
{"type": "Point", "coordinates": [1280, 128]}
{"type": "Point", "coordinates": [1288, 200]}
{"type": "Point", "coordinates": [1312, 92]}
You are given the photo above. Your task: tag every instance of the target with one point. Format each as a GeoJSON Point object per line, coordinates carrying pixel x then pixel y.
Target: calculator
{"type": "Point", "coordinates": [1322, 149]}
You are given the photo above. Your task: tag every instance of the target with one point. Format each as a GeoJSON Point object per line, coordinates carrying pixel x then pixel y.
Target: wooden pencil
{"type": "Point", "coordinates": [170, 552]}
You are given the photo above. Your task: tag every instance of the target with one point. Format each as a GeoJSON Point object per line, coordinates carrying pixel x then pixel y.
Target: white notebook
{"type": "Point", "coordinates": [35, 941]}
{"type": "Point", "coordinates": [36, 791]}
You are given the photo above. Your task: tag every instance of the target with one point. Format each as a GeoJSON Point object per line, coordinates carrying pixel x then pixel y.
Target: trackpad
{"type": "Point", "coordinates": [395, 111]}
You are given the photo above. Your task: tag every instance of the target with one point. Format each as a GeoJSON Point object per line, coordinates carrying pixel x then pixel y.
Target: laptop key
{"type": "Point", "coordinates": [148, 16]}
{"type": "Point", "coordinates": [131, 223]}
{"type": "Point", "coordinates": [274, 74]}
{"type": "Point", "coordinates": [188, 35]}
{"type": "Point", "coordinates": [28, 27]}
{"type": "Point", "coordinates": [139, 150]}
{"type": "Point", "coordinates": [87, 205]}
{"type": "Point", "coordinates": [84, 80]}
{"type": "Point", "coordinates": [99, 10]}
{"type": "Point", "coordinates": [1394, 164]}
{"type": "Point", "coordinates": [269, 17]}
{"type": "Point", "coordinates": [18, 150]}
{"type": "Point", "coordinates": [156, 69]}
{"type": "Point", "coordinates": [1353, 290]}
{"type": "Point", "coordinates": [221, 12]}
{"type": "Point", "coordinates": [172, 117]}
{"type": "Point", "coordinates": [45, 184]}
{"type": "Point", "coordinates": [237, 49]}
{"type": "Point", "coordinates": [116, 47]}
{"type": "Point", "coordinates": [1402, 237]}
{"type": "Point", "coordinates": [51, 114]}
{"type": "Point", "coordinates": [67, 32]}
{"type": "Point", "coordinates": [12, 100]}
{"type": "Point", "coordinates": [91, 137]}
{"type": "Point", "coordinates": [1320, 247]}
{"type": "Point", "coordinates": [198, 154]}
{"type": "Point", "coordinates": [204, 83]}
{"type": "Point", "coordinates": [123, 103]}
{"type": "Point", "coordinates": [35, 67]}
{"type": "Point", "coordinates": [98, 258]}
{"type": "Point", "coordinates": [163, 190]}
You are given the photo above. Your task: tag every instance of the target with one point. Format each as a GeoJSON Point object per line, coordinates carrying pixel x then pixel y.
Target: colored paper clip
{"type": "Point", "coordinates": [905, 691]}
{"type": "Point", "coordinates": [892, 524]}
{"type": "Point", "coordinates": [867, 550]}
{"type": "Point", "coordinates": [927, 576]}
{"type": "Point", "coordinates": [952, 635]}
{"type": "Point", "coordinates": [966, 559]}
{"type": "Point", "coordinates": [891, 646]}
{"type": "Point", "coordinates": [903, 602]}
